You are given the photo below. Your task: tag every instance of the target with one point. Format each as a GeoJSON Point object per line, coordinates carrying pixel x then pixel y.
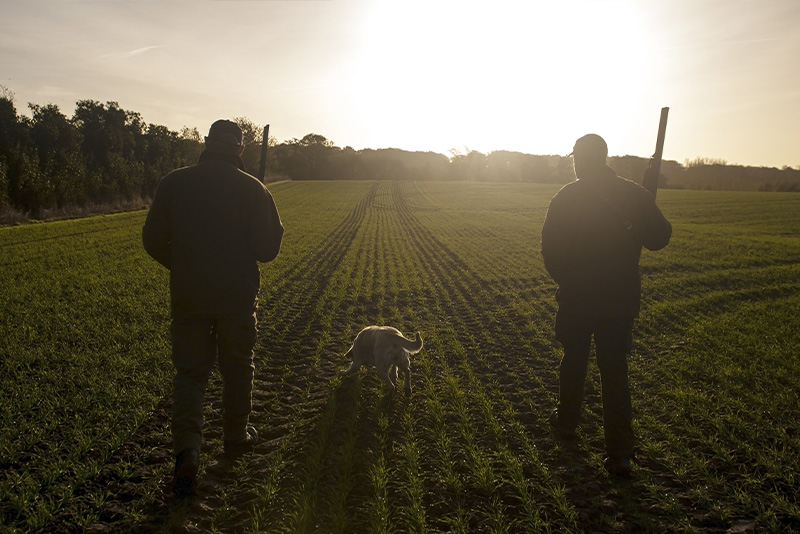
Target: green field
{"type": "Point", "coordinates": [85, 379]}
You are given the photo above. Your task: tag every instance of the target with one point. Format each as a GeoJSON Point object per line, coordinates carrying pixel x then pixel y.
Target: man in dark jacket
{"type": "Point", "coordinates": [592, 238]}
{"type": "Point", "coordinates": [210, 224]}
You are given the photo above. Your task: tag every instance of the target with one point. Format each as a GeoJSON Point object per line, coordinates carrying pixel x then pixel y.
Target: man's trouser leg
{"type": "Point", "coordinates": [236, 338]}
{"type": "Point", "coordinates": [575, 335]}
{"type": "Point", "coordinates": [194, 352]}
{"type": "Point", "coordinates": [612, 342]}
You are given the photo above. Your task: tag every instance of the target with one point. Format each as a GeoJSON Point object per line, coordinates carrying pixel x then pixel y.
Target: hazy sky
{"type": "Point", "coordinates": [525, 75]}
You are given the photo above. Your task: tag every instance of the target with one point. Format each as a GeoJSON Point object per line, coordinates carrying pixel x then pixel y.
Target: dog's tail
{"type": "Point", "coordinates": [411, 346]}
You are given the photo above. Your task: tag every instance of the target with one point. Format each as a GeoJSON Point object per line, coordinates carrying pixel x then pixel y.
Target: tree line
{"type": "Point", "coordinates": [105, 155]}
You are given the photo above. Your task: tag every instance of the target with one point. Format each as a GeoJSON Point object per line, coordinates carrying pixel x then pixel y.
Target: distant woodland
{"type": "Point", "coordinates": [106, 158]}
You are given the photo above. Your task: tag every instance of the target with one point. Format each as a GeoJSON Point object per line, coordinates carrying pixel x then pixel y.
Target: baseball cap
{"type": "Point", "coordinates": [591, 146]}
{"type": "Point", "coordinates": [226, 132]}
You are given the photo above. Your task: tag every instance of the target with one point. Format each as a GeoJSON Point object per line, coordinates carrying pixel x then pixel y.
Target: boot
{"type": "Point", "coordinates": [234, 449]}
{"type": "Point", "coordinates": [184, 482]}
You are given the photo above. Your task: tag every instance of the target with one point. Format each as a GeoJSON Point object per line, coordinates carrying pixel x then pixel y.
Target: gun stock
{"type": "Point", "coordinates": [653, 172]}
{"type": "Point", "coordinates": [262, 169]}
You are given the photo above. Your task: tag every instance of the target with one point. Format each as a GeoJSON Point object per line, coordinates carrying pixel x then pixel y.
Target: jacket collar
{"type": "Point", "coordinates": [231, 159]}
{"type": "Point", "coordinates": [596, 174]}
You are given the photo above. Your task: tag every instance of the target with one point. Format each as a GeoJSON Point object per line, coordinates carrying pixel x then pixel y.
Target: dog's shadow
{"type": "Point", "coordinates": [364, 389]}
{"type": "Point", "coordinates": [363, 406]}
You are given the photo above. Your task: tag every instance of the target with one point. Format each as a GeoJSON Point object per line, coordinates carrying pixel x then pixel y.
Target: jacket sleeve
{"type": "Point", "coordinates": [266, 230]}
{"type": "Point", "coordinates": [656, 230]}
{"type": "Point", "coordinates": [156, 235]}
{"type": "Point", "coordinates": [555, 249]}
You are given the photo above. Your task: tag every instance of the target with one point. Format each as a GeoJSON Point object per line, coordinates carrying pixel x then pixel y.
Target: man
{"type": "Point", "coordinates": [592, 238]}
{"type": "Point", "coordinates": [210, 224]}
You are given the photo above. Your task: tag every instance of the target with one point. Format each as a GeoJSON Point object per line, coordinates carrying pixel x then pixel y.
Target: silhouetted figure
{"type": "Point", "coordinates": [210, 224]}
{"type": "Point", "coordinates": [592, 238]}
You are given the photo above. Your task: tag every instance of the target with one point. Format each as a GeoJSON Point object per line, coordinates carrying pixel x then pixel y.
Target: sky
{"type": "Point", "coordinates": [447, 76]}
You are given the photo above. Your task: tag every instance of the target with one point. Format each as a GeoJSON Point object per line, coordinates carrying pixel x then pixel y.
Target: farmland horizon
{"type": "Point", "coordinates": [443, 148]}
{"type": "Point", "coordinates": [106, 155]}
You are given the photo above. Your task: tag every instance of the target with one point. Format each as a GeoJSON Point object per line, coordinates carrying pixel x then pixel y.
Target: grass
{"type": "Point", "coordinates": [84, 439]}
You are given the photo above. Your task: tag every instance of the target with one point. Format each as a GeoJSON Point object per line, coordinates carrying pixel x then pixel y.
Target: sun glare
{"type": "Point", "coordinates": [524, 76]}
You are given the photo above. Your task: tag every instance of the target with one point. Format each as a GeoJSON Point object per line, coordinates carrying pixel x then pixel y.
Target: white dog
{"type": "Point", "coordinates": [385, 348]}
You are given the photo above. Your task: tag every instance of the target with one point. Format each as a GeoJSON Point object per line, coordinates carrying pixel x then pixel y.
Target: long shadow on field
{"type": "Point", "coordinates": [602, 502]}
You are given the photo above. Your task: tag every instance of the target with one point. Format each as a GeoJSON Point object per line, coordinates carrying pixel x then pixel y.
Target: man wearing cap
{"type": "Point", "coordinates": [210, 224]}
{"type": "Point", "coordinates": [592, 238]}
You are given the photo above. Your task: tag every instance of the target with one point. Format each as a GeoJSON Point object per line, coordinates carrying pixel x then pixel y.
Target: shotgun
{"type": "Point", "coordinates": [651, 175]}
{"type": "Point", "coordinates": [262, 170]}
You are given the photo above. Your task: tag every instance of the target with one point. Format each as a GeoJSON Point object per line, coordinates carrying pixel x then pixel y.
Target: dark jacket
{"type": "Point", "coordinates": [592, 239]}
{"type": "Point", "coordinates": [210, 224]}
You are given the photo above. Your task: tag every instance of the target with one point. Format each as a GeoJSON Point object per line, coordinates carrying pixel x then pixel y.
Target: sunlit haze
{"type": "Point", "coordinates": [440, 75]}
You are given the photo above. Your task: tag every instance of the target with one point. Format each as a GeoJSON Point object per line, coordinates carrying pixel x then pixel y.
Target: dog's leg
{"type": "Point", "coordinates": [405, 365]}
{"type": "Point", "coordinates": [352, 369]}
{"type": "Point", "coordinates": [383, 373]}
{"type": "Point", "coordinates": [353, 365]}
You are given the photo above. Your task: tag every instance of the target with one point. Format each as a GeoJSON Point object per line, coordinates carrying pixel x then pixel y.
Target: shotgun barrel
{"type": "Point", "coordinates": [262, 170]}
{"type": "Point", "coordinates": [651, 175]}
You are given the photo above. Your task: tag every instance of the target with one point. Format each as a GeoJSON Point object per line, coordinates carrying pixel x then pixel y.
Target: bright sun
{"type": "Point", "coordinates": [523, 75]}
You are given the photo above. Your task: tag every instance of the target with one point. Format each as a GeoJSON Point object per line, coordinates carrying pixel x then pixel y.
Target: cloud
{"type": "Point", "coordinates": [131, 53]}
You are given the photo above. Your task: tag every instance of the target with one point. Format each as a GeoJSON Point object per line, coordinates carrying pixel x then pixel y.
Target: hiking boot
{"type": "Point", "coordinates": [563, 431]}
{"type": "Point", "coordinates": [619, 466]}
{"type": "Point", "coordinates": [234, 449]}
{"type": "Point", "coordinates": [184, 482]}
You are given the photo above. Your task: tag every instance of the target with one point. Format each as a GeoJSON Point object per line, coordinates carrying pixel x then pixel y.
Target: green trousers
{"type": "Point", "coordinates": [197, 344]}
{"type": "Point", "coordinates": [612, 340]}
